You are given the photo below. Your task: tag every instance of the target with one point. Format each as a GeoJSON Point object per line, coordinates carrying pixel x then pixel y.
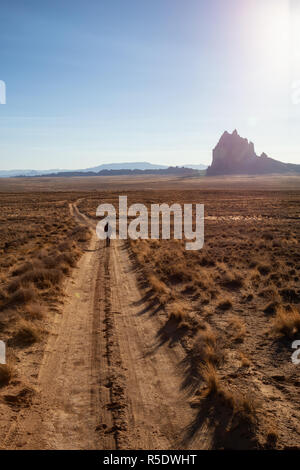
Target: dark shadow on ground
{"type": "Point", "coordinates": [226, 430]}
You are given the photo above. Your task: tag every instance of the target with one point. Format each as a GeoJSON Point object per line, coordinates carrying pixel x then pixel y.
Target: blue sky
{"type": "Point", "coordinates": [92, 82]}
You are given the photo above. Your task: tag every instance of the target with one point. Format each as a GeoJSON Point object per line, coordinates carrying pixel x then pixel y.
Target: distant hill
{"type": "Point", "coordinates": [125, 166]}
{"type": "Point", "coordinates": [179, 171]}
{"type": "Point", "coordinates": [95, 169]}
{"type": "Point", "coordinates": [234, 155]}
{"type": "Point", "coordinates": [196, 167]}
{"type": "Point", "coordinates": [13, 173]}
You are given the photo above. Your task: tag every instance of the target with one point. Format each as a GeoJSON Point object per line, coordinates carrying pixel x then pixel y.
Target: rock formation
{"type": "Point", "coordinates": [235, 155]}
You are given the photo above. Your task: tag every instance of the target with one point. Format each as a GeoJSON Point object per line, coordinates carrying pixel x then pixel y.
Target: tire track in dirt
{"type": "Point", "coordinates": [158, 409]}
{"type": "Point", "coordinates": [113, 379]}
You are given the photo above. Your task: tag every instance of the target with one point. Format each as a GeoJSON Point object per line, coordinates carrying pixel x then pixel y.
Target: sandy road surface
{"type": "Point", "coordinates": [107, 380]}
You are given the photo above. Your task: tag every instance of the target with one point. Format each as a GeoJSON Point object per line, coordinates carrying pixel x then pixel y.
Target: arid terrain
{"type": "Point", "coordinates": [144, 345]}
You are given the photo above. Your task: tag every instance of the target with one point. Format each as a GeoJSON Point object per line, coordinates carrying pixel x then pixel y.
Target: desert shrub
{"type": "Point", "coordinates": [178, 312]}
{"type": "Point", "coordinates": [264, 269]}
{"type": "Point", "coordinates": [290, 295]}
{"type": "Point", "coordinates": [21, 269]}
{"type": "Point", "coordinates": [271, 437]}
{"type": "Point", "coordinates": [5, 374]}
{"type": "Point", "coordinates": [246, 406]}
{"type": "Point", "coordinates": [42, 278]}
{"type": "Point", "coordinates": [3, 295]}
{"type": "Point", "coordinates": [67, 258]}
{"type": "Point", "coordinates": [27, 334]}
{"type": "Point", "coordinates": [245, 361]}
{"type": "Point", "coordinates": [82, 234]}
{"type": "Point", "coordinates": [175, 273]}
{"type": "Point", "coordinates": [287, 321]}
{"type": "Point", "coordinates": [267, 236]}
{"type": "Point", "coordinates": [225, 305]}
{"type": "Point", "coordinates": [211, 379]}
{"type": "Point", "coordinates": [65, 246]}
{"type": "Point", "coordinates": [158, 286]}
{"type": "Point", "coordinates": [50, 262]}
{"type": "Point", "coordinates": [205, 349]}
{"type": "Point", "coordinates": [34, 310]}
{"type": "Point", "coordinates": [207, 261]}
{"type": "Point", "coordinates": [232, 281]}
{"type": "Point", "coordinates": [239, 328]}
{"type": "Point", "coordinates": [20, 296]}
{"type": "Point", "coordinates": [270, 308]}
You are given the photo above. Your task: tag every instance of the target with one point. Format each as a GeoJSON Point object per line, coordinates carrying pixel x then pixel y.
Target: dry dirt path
{"type": "Point", "coordinates": [106, 380]}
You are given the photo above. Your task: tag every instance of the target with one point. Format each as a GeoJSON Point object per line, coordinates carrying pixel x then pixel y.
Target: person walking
{"type": "Point", "coordinates": [107, 230]}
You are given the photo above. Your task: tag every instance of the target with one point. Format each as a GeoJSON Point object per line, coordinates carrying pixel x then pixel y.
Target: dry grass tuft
{"type": "Point", "coordinates": [6, 372]}
{"type": "Point", "coordinates": [287, 321]}
{"type": "Point", "coordinates": [246, 405]}
{"type": "Point", "coordinates": [212, 381]}
{"type": "Point", "coordinates": [243, 406]}
{"type": "Point", "coordinates": [270, 308]}
{"type": "Point", "coordinates": [34, 311]}
{"type": "Point", "coordinates": [157, 286]}
{"type": "Point", "coordinates": [225, 305]}
{"type": "Point", "coordinates": [271, 437]}
{"type": "Point", "coordinates": [22, 295]}
{"type": "Point", "coordinates": [239, 328]}
{"type": "Point", "coordinates": [245, 361]}
{"type": "Point", "coordinates": [27, 334]}
{"type": "Point", "coordinates": [264, 269]}
{"type": "Point", "coordinates": [159, 289]}
{"type": "Point", "coordinates": [178, 312]}
{"type": "Point", "coordinates": [232, 281]}
{"type": "Point", "coordinates": [205, 350]}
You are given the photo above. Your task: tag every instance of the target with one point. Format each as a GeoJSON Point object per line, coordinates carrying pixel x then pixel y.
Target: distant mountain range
{"type": "Point", "coordinates": [234, 155]}
{"type": "Point", "coordinates": [175, 171]}
{"type": "Point", "coordinates": [95, 169]}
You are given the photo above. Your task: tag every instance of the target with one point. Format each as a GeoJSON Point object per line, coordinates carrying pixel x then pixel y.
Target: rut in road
{"type": "Point", "coordinates": [106, 382]}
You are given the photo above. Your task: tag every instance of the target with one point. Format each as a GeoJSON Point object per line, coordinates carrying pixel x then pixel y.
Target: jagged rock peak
{"type": "Point", "coordinates": [236, 155]}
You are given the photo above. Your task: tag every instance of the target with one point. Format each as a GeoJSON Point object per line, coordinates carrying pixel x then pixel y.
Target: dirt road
{"type": "Point", "coordinates": [107, 380]}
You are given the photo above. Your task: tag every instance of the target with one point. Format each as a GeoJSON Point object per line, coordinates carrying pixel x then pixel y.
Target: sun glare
{"type": "Point", "coordinates": [274, 36]}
